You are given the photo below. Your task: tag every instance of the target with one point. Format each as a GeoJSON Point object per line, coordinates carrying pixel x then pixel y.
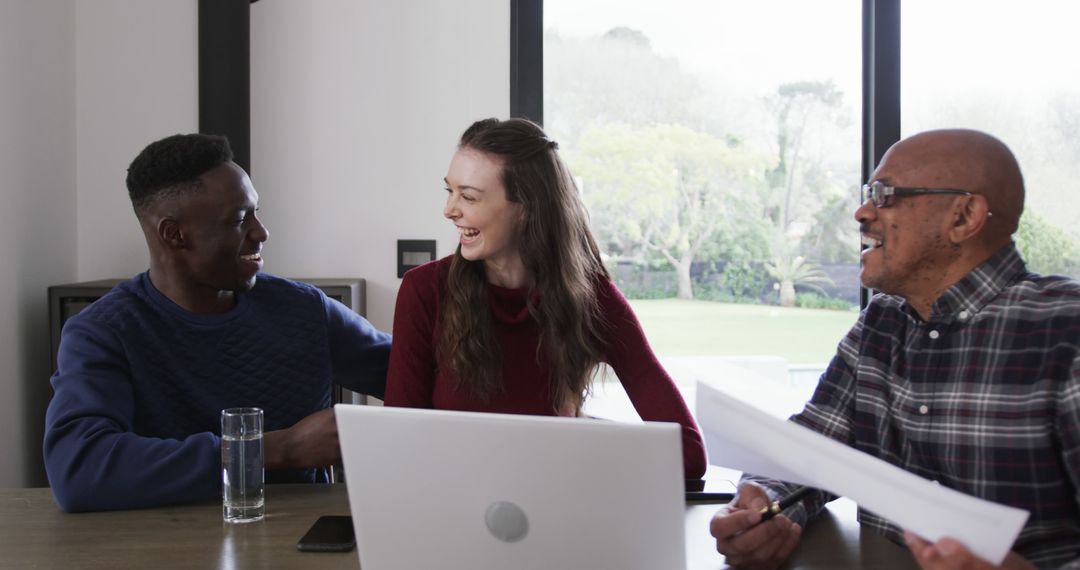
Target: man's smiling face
{"type": "Point", "coordinates": [907, 241]}
{"type": "Point", "coordinates": [223, 236]}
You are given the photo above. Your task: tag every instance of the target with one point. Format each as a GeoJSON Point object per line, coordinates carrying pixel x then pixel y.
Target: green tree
{"type": "Point", "coordinates": [662, 190]}
{"type": "Point", "coordinates": [790, 270]}
{"type": "Point", "coordinates": [834, 235]}
{"type": "Point", "coordinates": [617, 77]}
{"type": "Point", "coordinates": [800, 107]}
{"type": "Point", "coordinates": [718, 195]}
{"type": "Point", "coordinates": [1045, 247]}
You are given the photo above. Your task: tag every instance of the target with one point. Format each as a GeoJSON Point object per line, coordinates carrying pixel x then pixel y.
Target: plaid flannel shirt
{"type": "Point", "coordinates": [983, 398]}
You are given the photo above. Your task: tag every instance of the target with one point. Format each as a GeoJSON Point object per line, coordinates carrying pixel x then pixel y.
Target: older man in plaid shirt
{"type": "Point", "coordinates": [965, 369]}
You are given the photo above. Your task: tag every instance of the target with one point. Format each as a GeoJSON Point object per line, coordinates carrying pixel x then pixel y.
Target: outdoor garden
{"type": "Point", "coordinates": [724, 208]}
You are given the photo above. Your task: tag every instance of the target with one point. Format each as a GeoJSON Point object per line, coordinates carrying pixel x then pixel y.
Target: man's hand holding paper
{"type": "Point", "coordinates": [742, 437]}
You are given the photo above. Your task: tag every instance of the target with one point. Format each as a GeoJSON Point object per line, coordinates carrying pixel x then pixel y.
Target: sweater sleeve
{"type": "Point", "coordinates": [648, 385]}
{"type": "Point", "coordinates": [411, 379]}
{"type": "Point", "coordinates": [359, 352]}
{"type": "Point", "coordinates": [93, 457]}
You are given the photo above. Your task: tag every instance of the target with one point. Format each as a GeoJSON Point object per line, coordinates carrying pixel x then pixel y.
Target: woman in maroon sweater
{"type": "Point", "coordinates": [518, 319]}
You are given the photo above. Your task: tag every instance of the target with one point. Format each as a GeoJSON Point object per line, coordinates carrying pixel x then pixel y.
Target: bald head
{"type": "Point", "coordinates": [925, 242]}
{"type": "Point", "coordinates": [968, 160]}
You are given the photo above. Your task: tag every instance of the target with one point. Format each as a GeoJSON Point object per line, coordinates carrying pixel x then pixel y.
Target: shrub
{"type": "Point", "coordinates": [819, 301]}
{"type": "Point", "coordinates": [743, 280]}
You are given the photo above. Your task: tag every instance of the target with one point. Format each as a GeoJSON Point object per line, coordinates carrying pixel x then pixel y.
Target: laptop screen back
{"type": "Point", "coordinates": [457, 490]}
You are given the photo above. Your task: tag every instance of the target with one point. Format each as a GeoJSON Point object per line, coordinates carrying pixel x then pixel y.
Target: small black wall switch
{"type": "Point", "coordinates": [412, 253]}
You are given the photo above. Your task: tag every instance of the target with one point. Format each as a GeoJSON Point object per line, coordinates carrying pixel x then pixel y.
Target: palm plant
{"type": "Point", "coordinates": [789, 271]}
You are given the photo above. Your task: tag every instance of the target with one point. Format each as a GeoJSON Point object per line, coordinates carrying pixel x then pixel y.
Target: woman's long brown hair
{"type": "Point", "coordinates": [560, 254]}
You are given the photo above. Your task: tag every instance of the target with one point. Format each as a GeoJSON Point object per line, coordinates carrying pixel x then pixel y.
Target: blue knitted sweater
{"type": "Point", "coordinates": [140, 384]}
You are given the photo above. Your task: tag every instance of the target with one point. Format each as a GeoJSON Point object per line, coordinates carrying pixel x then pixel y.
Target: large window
{"type": "Point", "coordinates": [717, 147]}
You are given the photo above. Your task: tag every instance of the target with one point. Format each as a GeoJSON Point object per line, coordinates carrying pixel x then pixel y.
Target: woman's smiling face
{"type": "Point", "coordinates": [476, 203]}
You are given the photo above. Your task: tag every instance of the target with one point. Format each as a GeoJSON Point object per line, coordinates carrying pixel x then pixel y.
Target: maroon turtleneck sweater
{"type": "Point", "coordinates": [416, 379]}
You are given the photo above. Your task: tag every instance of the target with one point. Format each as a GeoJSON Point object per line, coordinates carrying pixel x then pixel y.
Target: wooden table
{"type": "Point", "coordinates": [35, 534]}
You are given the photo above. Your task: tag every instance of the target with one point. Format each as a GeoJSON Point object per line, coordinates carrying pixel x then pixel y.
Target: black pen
{"type": "Point", "coordinates": [776, 507]}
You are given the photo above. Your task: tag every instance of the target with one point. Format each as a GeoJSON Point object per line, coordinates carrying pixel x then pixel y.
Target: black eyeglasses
{"type": "Point", "coordinates": [881, 194]}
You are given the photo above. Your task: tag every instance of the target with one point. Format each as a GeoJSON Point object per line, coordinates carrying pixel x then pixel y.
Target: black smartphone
{"type": "Point", "coordinates": [710, 490]}
{"type": "Point", "coordinates": [329, 534]}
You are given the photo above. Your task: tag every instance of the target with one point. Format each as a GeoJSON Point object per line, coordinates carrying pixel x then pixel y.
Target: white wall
{"type": "Point", "coordinates": [83, 87]}
{"type": "Point", "coordinates": [37, 214]}
{"type": "Point", "coordinates": [356, 110]}
{"type": "Point", "coordinates": [136, 82]}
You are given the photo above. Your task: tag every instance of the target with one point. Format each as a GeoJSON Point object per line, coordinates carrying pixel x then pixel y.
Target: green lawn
{"type": "Point", "coordinates": [698, 328]}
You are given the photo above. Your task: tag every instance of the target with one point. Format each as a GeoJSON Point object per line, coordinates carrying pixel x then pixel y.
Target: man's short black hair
{"type": "Point", "coordinates": [174, 164]}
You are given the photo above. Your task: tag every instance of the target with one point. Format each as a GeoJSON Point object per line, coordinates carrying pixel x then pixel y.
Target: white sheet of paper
{"type": "Point", "coordinates": [742, 437]}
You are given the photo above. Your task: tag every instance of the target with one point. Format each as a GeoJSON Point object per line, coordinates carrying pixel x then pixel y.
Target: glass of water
{"type": "Point", "coordinates": [242, 465]}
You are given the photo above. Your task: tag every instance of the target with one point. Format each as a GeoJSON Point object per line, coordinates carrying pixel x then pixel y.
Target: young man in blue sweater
{"type": "Point", "coordinates": [144, 372]}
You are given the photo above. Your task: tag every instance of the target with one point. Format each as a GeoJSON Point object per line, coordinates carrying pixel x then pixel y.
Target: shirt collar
{"type": "Point", "coordinates": [981, 285]}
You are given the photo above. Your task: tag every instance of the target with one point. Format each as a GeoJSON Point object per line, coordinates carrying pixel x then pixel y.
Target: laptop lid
{"type": "Point", "coordinates": [466, 490]}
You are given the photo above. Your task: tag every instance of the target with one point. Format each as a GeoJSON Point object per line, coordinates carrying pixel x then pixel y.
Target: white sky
{"type": "Point", "coordinates": [1011, 45]}
{"type": "Point", "coordinates": [972, 43]}
{"type": "Point", "coordinates": [751, 41]}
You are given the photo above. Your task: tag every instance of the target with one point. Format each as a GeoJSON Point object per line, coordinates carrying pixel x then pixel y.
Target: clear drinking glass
{"type": "Point", "coordinates": [242, 484]}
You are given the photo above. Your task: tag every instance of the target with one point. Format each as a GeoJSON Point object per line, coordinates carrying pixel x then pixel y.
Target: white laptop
{"type": "Point", "coordinates": [463, 490]}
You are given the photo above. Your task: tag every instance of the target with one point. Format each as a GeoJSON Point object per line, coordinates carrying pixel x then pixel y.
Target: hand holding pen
{"type": "Point", "coordinates": [776, 507]}
{"type": "Point", "coordinates": [745, 538]}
